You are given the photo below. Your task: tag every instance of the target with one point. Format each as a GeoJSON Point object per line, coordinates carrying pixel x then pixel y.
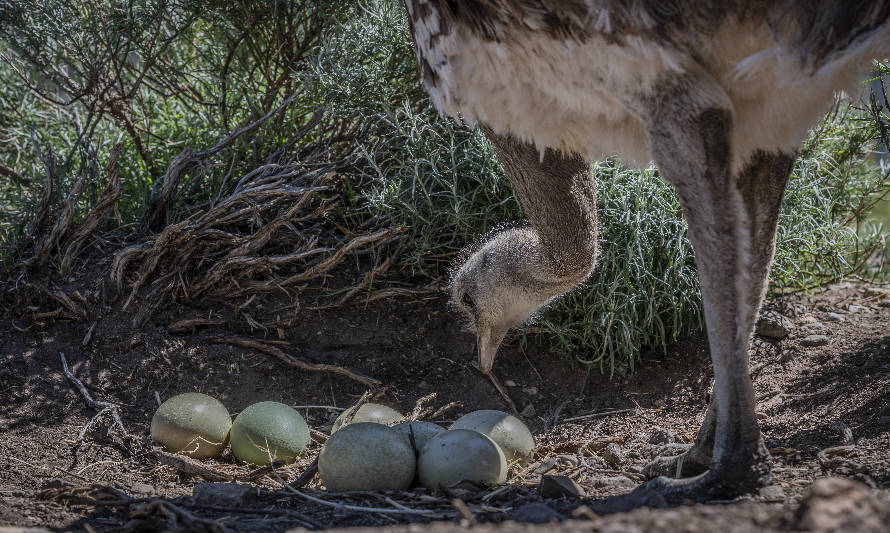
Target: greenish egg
{"type": "Point", "coordinates": [423, 431]}
{"type": "Point", "coordinates": [267, 430]}
{"type": "Point", "coordinates": [366, 456]}
{"type": "Point", "coordinates": [192, 424]}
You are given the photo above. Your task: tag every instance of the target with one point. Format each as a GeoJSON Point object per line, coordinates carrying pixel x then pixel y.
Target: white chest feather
{"type": "Point", "coordinates": [586, 96]}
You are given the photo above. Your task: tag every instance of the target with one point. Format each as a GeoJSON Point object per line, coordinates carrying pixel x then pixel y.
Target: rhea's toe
{"type": "Point", "coordinates": [677, 461]}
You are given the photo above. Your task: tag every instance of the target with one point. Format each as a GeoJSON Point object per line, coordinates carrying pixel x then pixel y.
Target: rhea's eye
{"type": "Point", "coordinates": [468, 301]}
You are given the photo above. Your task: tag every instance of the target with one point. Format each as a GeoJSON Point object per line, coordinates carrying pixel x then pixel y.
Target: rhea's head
{"type": "Point", "coordinates": [499, 286]}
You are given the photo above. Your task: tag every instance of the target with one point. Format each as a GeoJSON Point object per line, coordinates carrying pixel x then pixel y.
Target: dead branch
{"type": "Point", "coordinates": [295, 362]}
{"type": "Point", "coordinates": [42, 215]}
{"type": "Point", "coordinates": [108, 412]}
{"type": "Point", "coordinates": [192, 324]}
{"type": "Point", "coordinates": [14, 176]}
{"type": "Point", "coordinates": [157, 208]}
{"type": "Point", "coordinates": [97, 215]}
{"type": "Point", "coordinates": [350, 413]}
{"type": "Point", "coordinates": [500, 388]}
{"type": "Point", "coordinates": [63, 222]}
{"type": "Point", "coordinates": [307, 476]}
{"type": "Point", "coordinates": [420, 410]}
{"type": "Point", "coordinates": [190, 466]}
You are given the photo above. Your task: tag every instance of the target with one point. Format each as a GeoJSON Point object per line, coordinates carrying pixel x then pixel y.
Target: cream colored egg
{"type": "Point", "coordinates": [192, 424]}
{"type": "Point", "coordinates": [370, 412]}
{"type": "Point", "coordinates": [510, 433]}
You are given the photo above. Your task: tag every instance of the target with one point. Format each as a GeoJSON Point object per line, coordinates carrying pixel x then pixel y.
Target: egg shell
{"type": "Point", "coordinates": [192, 424]}
{"type": "Point", "coordinates": [267, 429]}
{"type": "Point", "coordinates": [370, 412]}
{"type": "Point", "coordinates": [423, 431]}
{"type": "Point", "coordinates": [463, 457]}
{"type": "Point", "coordinates": [366, 456]}
{"type": "Point", "coordinates": [510, 433]}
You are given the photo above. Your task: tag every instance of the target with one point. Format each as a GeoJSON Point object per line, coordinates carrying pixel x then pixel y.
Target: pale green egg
{"type": "Point", "coordinates": [269, 430]}
{"type": "Point", "coordinates": [462, 458]}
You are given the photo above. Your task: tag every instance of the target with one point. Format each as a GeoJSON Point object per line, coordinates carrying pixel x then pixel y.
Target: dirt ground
{"type": "Point", "coordinates": [598, 431]}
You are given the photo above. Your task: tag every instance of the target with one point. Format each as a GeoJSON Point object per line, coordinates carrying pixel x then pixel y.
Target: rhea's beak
{"type": "Point", "coordinates": [488, 341]}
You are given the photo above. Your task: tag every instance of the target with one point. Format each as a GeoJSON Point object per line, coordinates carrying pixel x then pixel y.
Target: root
{"type": "Point", "coordinates": [295, 362]}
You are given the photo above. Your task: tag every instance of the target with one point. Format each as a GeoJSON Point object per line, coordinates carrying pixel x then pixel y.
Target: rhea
{"type": "Point", "coordinates": [718, 93]}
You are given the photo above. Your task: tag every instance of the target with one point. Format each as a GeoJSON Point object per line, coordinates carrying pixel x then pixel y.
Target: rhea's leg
{"type": "Point", "coordinates": [762, 185]}
{"type": "Point", "coordinates": [731, 226]}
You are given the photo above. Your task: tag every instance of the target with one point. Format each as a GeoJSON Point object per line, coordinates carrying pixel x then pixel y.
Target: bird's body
{"type": "Point", "coordinates": [718, 93]}
{"type": "Point", "coordinates": [570, 75]}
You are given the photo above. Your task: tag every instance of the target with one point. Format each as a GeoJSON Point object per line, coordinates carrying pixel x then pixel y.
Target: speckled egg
{"type": "Point", "coordinates": [192, 424]}
{"type": "Point", "coordinates": [510, 433]}
{"type": "Point", "coordinates": [463, 457]}
{"type": "Point", "coordinates": [370, 412]}
{"type": "Point", "coordinates": [366, 456]}
{"type": "Point", "coordinates": [269, 429]}
{"type": "Point", "coordinates": [423, 431]}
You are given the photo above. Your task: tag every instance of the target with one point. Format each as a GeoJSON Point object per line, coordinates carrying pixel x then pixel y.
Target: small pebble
{"type": "Point", "coordinates": [663, 436]}
{"type": "Point", "coordinates": [613, 455]}
{"type": "Point", "coordinates": [774, 325]}
{"type": "Point", "coordinates": [814, 340]}
{"type": "Point", "coordinates": [614, 482]}
{"type": "Point", "coordinates": [560, 487]}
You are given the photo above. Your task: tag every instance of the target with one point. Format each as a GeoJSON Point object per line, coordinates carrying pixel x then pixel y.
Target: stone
{"type": "Point", "coordinates": [225, 494]}
{"type": "Point", "coordinates": [613, 455]}
{"type": "Point", "coordinates": [535, 513]}
{"type": "Point", "coordinates": [814, 340]}
{"type": "Point", "coordinates": [772, 493]}
{"type": "Point", "coordinates": [773, 325]}
{"type": "Point", "coordinates": [663, 436]}
{"type": "Point", "coordinates": [885, 302]}
{"type": "Point", "coordinates": [142, 488]}
{"type": "Point", "coordinates": [834, 317]}
{"type": "Point", "coordinates": [560, 487]}
{"type": "Point", "coordinates": [837, 505]}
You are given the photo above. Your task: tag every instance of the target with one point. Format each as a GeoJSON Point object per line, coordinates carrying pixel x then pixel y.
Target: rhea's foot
{"type": "Point", "coordinates": [691, 462]}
